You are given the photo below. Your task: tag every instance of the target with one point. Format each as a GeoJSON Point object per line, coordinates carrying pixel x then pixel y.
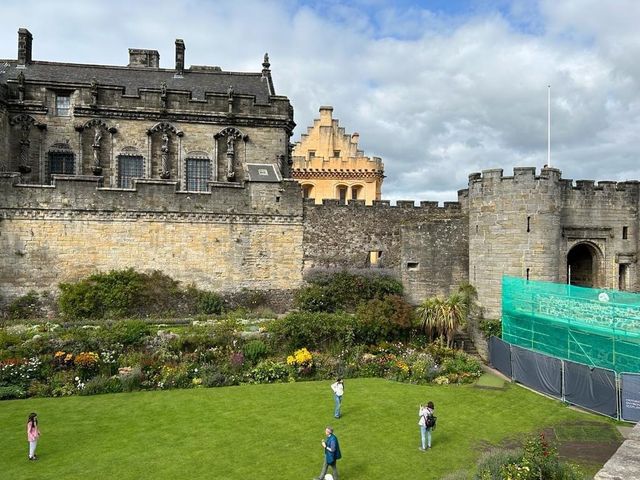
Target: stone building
{"type": "Point", "coordinates": [187, 171]}
{"type": "Point", "coordinates": [329, 165]}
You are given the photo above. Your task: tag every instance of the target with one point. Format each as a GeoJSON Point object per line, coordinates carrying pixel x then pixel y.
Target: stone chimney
{"type": "Point", "coordinates": [144, 58]}
{"type": "Point", "coordinates": [326, 114]}
{"type": "Point", "coordinates": [25, 40]}
{"type": "Point", "coordinates": [180, 48]}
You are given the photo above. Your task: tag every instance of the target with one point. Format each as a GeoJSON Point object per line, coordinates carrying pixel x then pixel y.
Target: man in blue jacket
{"type": "Point", "coordinates": [331, 454]}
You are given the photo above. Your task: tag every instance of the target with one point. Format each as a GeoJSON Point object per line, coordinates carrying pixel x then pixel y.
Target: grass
{"type": "Point", "coordinates": [269, 431]}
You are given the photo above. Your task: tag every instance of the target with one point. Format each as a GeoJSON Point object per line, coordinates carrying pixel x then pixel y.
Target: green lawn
{"type": "Point", "coordinates": [267, 431]}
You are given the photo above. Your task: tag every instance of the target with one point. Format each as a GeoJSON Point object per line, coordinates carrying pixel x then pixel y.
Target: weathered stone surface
{"type": "Point", "coordinates": [625, 463]}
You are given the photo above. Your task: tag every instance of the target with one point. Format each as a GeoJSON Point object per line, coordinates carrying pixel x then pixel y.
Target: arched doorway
{"type": "Point", "coordinates": [583, 265]}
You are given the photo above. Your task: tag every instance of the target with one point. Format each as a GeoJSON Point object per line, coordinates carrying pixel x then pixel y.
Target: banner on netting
{"type": "Point", "coordinates": [500, 355]}
{"type": "Point", "coordinates": [537, 371]}
{"type": "Point", "coordinates": [591, 388]}
{"type": "Point", "coordinates": [630, 397]}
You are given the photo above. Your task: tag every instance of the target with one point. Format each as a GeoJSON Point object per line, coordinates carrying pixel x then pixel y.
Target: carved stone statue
{"type": "Point", "coordinates": [164, 157]}
{"type": "Point", "coordinates": [97, 138]}
{"type": "Point", "coordinates": [230, 156]}
{"type": "Point", "coordinates": [21, 86]}
{"type": "Point", "coordinates": [230, 94]}
{"type": "Point", "coordinates": [94, 92]}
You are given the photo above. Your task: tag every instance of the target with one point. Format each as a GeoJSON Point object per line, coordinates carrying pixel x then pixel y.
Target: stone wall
{"type": "Point", "coordinates": [4, 136]}
{"type": "Point", "coordinates": [425, 246]}
{"type": "Point", "coordinates": [232, 238]}
{"type": "Point", "coordinates": [625, 463]}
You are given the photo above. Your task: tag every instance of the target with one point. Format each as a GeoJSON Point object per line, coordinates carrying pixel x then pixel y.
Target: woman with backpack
{"type": "Point", "coordinates": [427, 423]}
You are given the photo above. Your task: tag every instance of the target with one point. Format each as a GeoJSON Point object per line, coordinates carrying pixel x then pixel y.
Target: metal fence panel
{"type": "Point", "coordinates": [500, 355]}
{"type": "Point", "coordinates": [591, 387]}
{"type": "Point", "coordinates": [630, 397]}
{"type": "Point", "coordinates": [537, 371]}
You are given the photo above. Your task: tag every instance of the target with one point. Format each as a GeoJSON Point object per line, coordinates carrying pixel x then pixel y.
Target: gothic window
{"type": "Point", "coordinates": [60, 163]}
{"type": "Point", "coordinates": [197, 174]}
{"type": "Point", "coordinates": [63, 105]}
{"type": "Point", "coordinates": [129, 167]}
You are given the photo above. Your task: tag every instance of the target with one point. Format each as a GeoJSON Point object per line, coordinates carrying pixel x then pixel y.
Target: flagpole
{"type": "Point", "coordinates": [548, 125]}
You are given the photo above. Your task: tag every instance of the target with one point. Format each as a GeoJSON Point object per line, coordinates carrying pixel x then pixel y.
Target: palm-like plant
{"type": "Point", "coordinates": [442, 317]}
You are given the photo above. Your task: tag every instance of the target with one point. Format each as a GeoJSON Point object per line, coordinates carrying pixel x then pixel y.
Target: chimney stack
{"type": "Point", "coordinates": [25, 40]}
{"type": "Point", "coordinates": [180, 48]}
{"type": "Point", "coordinates": [139, 57]}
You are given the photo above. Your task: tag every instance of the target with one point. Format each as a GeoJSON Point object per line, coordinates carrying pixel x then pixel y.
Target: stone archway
{"type": "Point", "coordinates": [583, 265]}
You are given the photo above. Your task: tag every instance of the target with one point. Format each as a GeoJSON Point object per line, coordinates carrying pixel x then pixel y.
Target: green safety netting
{"type": "Point", "coordinates": [600, 328]}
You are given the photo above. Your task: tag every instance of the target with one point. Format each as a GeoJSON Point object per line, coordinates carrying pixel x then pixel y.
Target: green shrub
{"type": "Point", "coordinates": [213, 376]}
{"type": "Point", "coordinates": [490, 463]}
{"type": "Point", "coordinates": [383, 319]}
{"type": "Point", "coordinates": [268, 371]}
{"type": "Point", "coordinates": [316, 298]}
{"type": "Point", "coordinates": [225, 332]}
{"type": "Point", "coordinates": [11, 392]}
{"type": "Point", "coordinates": [127, 293]}
{"type": "Point", "coordinates": [210, 303]}
{"type": "Point", "coordinates": [101, 384]}
{"type": "Point", "coordinates": [348, 290]}
{"type": "Point", "coordinates": [129, 332]}
{"type": "Point", "coordinates": [312, 330]}
{"type": "Point", "coordinates": [255, 350]}
{"type": "Point", "coordinates": [132, 381]}
{"type": "Point", "coordinates": [26, 306]}
{"type": "Point", "coordinates": [491, 327]}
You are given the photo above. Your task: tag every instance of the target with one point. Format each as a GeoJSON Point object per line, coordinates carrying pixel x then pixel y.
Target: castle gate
{"type": "Point", "coordinates": [583, 265]}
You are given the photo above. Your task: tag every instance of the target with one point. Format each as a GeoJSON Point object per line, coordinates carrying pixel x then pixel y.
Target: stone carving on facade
{"type": "Point", "coordinates": [163, 94]}
{"type": "Point", "coordinates": [164, 157]}
{"type": "Point", "coordinates": [25, 122]}
{"type": "Point", "coordinates": [165, 129]}
{"type": "Point", "coordinates": [93, 89]}
{"type": "Point", "coordinates": [232, 135]}
{"type": "Point", "coordinates": [97, 138]}
{"type": "Point", "coordinates": [21, 86]}
{"type": "Point", "coordinates": [230, 94]}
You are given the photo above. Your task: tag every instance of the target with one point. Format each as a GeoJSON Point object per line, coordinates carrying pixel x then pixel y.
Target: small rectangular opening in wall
{"type": "Point", "coordinates": [527, 274]}
{"type": "Point", "coordinates": [374, 257]}
{"type": "Point", "coordinates": [528, 224]}
{"type": "Point", "coordinates": [413, 265]}
{"type": "Point", "coordinates": [622, 276]}
{"type": "Point", "coordinates": [625, 233]}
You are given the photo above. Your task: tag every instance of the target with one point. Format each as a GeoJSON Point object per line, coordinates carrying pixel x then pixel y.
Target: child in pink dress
{"type": "Point", "coordinates": [33, 433]}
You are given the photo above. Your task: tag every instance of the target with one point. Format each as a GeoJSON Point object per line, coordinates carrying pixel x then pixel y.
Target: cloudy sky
{"type": "Point", "coordinates": [437, 88]}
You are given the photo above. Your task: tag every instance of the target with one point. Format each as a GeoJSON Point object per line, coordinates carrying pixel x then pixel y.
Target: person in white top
{"type": "Point", "coordinates": [425, 412]}
{"type": "Point", "coordinates": [338, 391]}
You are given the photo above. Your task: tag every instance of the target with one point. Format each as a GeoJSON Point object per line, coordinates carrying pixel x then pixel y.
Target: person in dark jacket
{"type": "Point", "coordinates": [331, 454]}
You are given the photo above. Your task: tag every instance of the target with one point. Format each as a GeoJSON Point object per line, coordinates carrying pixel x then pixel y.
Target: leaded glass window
{"type": "Point", "coordinates": [60, 163]}
{"type": "Point", "coordinates": [129, 167]}
{"type": "Point", "coordinates": [63, 105]}
{"type": "Point", "coordinates": [197, 174]}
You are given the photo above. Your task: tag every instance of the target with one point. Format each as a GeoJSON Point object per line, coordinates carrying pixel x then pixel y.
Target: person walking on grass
{"type": "Point", "coordinates": [331, 454]}
{"type": "Point", "coordinates": [33, 433]}
{"type": "Point", "coordinates": [427, 423]}
{"type": "Point", "coordinates": [338, 391]}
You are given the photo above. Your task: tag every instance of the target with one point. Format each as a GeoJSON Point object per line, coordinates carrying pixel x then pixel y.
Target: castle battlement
{"type": "Point", "coordinates": [385, 205]}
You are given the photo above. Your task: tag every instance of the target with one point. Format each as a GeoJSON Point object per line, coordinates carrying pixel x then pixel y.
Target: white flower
{"type": "Point", "coordinates": [77, 379]}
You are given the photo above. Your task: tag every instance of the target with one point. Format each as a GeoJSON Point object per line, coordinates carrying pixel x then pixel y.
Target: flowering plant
{"type": "Point", "coordinates": [300, 358]}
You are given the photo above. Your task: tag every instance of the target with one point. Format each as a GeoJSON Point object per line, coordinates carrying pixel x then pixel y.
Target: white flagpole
{"type": "Point", "coordinates": [548, 125]}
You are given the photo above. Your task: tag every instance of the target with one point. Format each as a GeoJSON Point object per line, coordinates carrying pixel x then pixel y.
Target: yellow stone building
{"type": "Point", "coordinates": [328, 164]}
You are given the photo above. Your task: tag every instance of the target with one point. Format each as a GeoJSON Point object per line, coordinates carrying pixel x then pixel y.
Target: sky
{"type": "Point", "coordinates": [438, 89]}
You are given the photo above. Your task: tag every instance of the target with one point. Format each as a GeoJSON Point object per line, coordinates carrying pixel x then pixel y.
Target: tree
{"type": "Point", "coordinates": [442, 317]}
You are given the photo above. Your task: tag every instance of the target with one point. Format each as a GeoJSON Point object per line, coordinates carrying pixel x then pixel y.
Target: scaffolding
{"type": "Point", "coordinates": [599, 328]}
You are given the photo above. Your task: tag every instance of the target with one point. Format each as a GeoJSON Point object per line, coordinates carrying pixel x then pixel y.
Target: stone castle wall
{"type": "Point", "coordinates": [426, 247]}
{"type": "Point", "coordinates": [232, 238]}
{"type": "Point", "coordinates": [525, 225]}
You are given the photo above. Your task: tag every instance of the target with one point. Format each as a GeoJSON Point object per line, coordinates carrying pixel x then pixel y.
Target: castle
{"type": "Point", "coordinates": [190, 171]}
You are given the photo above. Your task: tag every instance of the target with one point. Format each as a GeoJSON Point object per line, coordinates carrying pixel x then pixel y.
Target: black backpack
{"type": "Point", "coordinates": [430, 421]}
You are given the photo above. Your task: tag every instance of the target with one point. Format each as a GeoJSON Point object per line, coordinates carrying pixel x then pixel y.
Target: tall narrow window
{"type": "Point", "coordinates": [129, 167]}
{"type": "Point", "coordinates": [197, 174]}
{"type": "Point", "coordinates": [625, 233]}
{"type": "Point", "coordinates": [527, 274]}
{"type": "Point", "coordinates": [356, 192]}
{"type": "Point", "coordinates": [63, 105]}
{"type": "Point", "coordinates": [342, 194]}
{"type": "Point", "coordinates": [528, 224]}
{"type": "Point", "coordinates": [60, 163]}
{"type": "Point", "coordinates": [622, 276]}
